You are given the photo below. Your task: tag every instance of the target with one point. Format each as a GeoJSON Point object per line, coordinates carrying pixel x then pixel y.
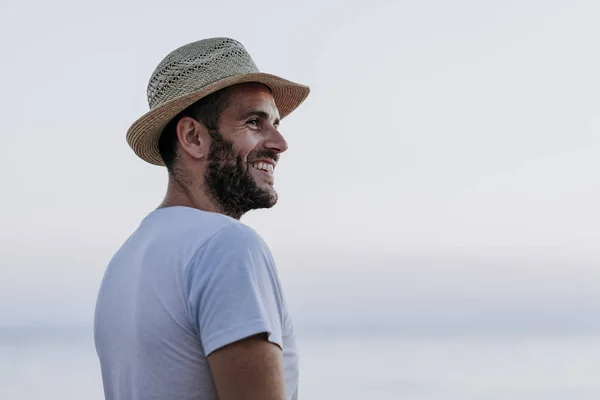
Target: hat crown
{"type": "Point", "coordinates": [196, 65]}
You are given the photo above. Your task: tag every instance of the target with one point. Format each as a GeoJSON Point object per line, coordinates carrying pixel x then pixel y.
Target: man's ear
{"type": "Point", "coordinates": [193, 137]}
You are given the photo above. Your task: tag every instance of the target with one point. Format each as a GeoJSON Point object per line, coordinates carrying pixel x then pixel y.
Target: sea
{"type": "Point", "coordinates": [61, 363]}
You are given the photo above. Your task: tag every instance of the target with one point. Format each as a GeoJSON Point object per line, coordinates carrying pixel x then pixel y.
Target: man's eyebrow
{"type": "Point", "coordinates": [260, 114]}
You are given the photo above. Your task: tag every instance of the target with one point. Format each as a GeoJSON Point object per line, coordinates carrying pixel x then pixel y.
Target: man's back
{"type": "Point", "coordinates": [185, 284]}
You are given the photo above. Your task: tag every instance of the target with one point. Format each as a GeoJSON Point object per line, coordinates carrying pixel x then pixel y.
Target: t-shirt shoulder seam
{"type": "Point", "coordinates": [238, 226]}
{"type": "Point", "coordinates": [208, 239]}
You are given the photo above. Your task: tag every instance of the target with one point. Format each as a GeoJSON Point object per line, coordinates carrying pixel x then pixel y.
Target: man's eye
{"type": "Point", "coordinates": [253, 122]}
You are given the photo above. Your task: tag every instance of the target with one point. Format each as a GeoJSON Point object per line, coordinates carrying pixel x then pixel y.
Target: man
{"type": "Point", "coordinates": [190, 306]}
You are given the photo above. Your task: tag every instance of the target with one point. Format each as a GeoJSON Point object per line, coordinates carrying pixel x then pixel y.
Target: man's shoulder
{"type": "Point", "coordinates": [234, 248]}
{"type": "Point", "coordinates": [179, 218]}
{"type": "Point", "coordinates": [237, 236]}
{"type": "Point", "coordinates": [208, 228]}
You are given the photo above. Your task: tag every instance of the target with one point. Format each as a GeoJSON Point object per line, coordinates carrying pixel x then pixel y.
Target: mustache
{"type": "Point", "coordinates": [263, 154]}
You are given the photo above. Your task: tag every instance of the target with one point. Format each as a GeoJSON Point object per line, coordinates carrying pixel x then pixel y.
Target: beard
{"type": "Point", "coordinates": [229, 182]}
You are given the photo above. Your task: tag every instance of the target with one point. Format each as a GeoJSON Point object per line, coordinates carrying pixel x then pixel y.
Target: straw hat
{"type": "Point", "coordinates": [194, 71]}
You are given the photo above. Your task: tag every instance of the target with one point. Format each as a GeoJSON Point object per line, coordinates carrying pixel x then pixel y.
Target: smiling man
{"type": "Point", "coordinates": [190, 306]}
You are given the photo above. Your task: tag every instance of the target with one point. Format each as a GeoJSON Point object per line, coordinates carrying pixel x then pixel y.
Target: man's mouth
{"type": "Point", "coordinates": [263, 166]}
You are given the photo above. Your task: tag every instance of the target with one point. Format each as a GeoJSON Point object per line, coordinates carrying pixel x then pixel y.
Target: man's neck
{"type": "Point", "coordinates": [188, 194]}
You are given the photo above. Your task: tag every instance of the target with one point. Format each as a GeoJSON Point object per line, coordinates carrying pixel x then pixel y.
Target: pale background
{"type": "Point", "coordinates": [443, 176]}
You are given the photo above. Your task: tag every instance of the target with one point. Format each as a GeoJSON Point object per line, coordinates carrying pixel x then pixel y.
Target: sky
{"type": "Point", "coordinates": [444, 170]}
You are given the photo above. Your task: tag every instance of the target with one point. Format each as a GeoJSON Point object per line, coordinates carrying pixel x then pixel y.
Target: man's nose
{"type": "Point", "coordinates": [275, 141]}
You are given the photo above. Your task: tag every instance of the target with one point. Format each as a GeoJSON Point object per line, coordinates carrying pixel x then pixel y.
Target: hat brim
{"type": "Point", "coordinates": [144, 133]}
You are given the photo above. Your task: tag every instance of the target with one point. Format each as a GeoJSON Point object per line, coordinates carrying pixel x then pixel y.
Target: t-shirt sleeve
{"type": "Point", "coordinates": [233, 289]}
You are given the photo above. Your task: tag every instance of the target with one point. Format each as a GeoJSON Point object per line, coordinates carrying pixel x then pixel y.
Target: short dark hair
{"type": "Point", "coordinates": [207, 111]}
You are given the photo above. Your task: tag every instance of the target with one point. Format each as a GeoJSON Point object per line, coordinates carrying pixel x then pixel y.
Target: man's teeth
{"type": "Point", "coordinates": [263, 166]}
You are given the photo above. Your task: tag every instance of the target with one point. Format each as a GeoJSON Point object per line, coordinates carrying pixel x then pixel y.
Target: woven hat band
{"type": "Point", "coordinates": [195, 66]}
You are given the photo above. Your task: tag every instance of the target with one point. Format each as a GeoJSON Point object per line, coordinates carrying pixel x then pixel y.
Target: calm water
{"type": "Point", "coordinates": [55, 365]}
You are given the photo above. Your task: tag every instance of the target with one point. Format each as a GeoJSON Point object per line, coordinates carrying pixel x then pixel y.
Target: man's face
{"type": "Point", "coordinates": [244, 152]}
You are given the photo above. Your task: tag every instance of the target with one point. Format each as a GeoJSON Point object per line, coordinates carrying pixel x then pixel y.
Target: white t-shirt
{"type": "Point", "coordinates": [184, 284]}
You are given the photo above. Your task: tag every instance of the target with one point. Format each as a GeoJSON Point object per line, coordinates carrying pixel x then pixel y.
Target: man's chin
{"type": "Point", "coordinates": [267, 188]}
{"type": "Point", "coordinates": [272, 196]}
{"type": "Point", "coordinates": [272, 199]}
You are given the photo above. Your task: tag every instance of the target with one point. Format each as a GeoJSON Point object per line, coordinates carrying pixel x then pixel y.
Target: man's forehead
{"type": "Point", "coordinates": [253, 96]}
